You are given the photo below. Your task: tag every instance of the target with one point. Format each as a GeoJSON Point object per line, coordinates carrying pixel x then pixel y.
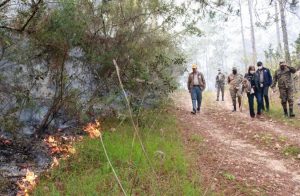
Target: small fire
{"type": "Point", "coordinates": [55, 162]}
{"type": "Point", "coordinates": [27, 184]}
{"type": "Point", "coordinates": [93, 129]}
{"type": "Point", "coordinates": [5, 141]}
{"type": "Point", "coordinates": [58, 147]}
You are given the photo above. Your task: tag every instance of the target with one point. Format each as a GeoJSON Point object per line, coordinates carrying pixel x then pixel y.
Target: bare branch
{"type": "Point", "coordinates": [4, 3]}
{"type": "Point", "coordinates": [35, 7]}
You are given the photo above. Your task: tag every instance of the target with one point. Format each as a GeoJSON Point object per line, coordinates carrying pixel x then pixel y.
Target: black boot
{"type": "Point", "coordinates": [193, 112]}
{"type": "Point", "coordinates": [285, 112]}
{"type": "Point", "coordinates": [234, 108]}
{"type": "Point", "coordinates": [222, 98]}
{"type": "Point", "coordinates": [292, 113]}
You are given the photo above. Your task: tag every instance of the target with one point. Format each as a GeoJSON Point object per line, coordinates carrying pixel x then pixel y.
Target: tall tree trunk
{"type": "Point", "coordinates": [282, 4]}
{"type": "Point", "coordinates": [243, 36]}
{"type": "Point", "coordinates": [254, 55]}
{"type": "Point", "coordinates": [279, 47]}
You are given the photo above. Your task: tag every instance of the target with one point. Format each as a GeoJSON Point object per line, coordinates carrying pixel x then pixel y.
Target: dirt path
{"type": "Point", "coordinates": [236, 155]}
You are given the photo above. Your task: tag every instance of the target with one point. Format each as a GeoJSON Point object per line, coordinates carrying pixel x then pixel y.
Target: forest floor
{"type": "Point", "coordinates": [237, 155]}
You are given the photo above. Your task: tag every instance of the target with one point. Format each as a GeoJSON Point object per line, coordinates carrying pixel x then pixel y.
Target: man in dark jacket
{"type": "Point", "coordinates": [265, 81]}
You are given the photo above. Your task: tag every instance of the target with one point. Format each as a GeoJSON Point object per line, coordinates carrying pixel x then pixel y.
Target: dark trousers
{"type": "Point", "coordinates": [258, 97]}
{"type": "Point", "coordinates": [265, 98]}
{"type": "Point", "coordinates": [220, 88]}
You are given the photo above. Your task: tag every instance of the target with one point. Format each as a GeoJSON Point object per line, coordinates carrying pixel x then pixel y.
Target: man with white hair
{"type": "Point", "coordinates": [196, 85]}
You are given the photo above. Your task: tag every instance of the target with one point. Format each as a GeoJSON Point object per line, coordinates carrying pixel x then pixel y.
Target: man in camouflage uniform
{"type": "Point", "coordinates": [235, 81]}
{"type": "Point", "coordinates": [220, 84]}
{"type": "Point", "coordinates": [283, 76]}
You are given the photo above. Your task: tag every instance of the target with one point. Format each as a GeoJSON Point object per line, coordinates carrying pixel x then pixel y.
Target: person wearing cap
{"type": "Point", "coordinates": [265, 81]}
{"type": "Point", "coordinates": [220, 84]}
{"type": "Point", "coordinates": [283, 77]}
{"type": "Point", "coordinates": [196, 85]}
{"type": "Point", "coordinates": [235, 81]}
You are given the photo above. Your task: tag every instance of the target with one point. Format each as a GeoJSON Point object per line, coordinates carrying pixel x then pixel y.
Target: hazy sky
{"type": "Point", "coordinates": [199, 49]}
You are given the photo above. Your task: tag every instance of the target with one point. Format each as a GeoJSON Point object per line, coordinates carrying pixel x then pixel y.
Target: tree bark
{"type": "Point", "coordinates": [279, 47]}
{"type": "Point", "coordinates": [243, 36]}
{"type": "Point", "coordinates": [282, 4]}
{"type": "Point", "coordinates": [254, 54]}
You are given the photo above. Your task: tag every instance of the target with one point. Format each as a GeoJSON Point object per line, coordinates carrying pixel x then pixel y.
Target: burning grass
{"type": "Point", "coordinates": [88, 173]}
{"type": "Point", "coordinates": [60, 147]}
{"type": "Point", "coordinates": [93, 129]}
{"type": "Point", "coordinates": [27, 184]}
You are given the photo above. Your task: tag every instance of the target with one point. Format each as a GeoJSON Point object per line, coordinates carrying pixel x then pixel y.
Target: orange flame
{"type": "Point", "coordinates": [57, 147]}
{"type": "Point", "coordinates": [55, 162]}
{"type": "Point", "coordinates": [93, 129]}
{"type": "Point", "coordinates": [27, 184]}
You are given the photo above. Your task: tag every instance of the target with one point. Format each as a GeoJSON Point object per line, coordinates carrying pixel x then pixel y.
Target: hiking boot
{"type": "Point", "coordinates": [217, 99]}
{"type": "Point", "coordinates": [285, 112]}
{"type": "Point", "coordinates": [292, 113]}
{"type": "Point", "coordinates": [234, 109]}
{"type": "Point", "coordinates": [223, 99]}
{"type": "Point", "coordinates": [198, 109]}
{"type": "Point", "coordinates": [193, 112]}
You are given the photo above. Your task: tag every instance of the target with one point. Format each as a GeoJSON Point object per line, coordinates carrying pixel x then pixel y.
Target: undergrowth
{"type": "Point", "coordinates": [88, 172]}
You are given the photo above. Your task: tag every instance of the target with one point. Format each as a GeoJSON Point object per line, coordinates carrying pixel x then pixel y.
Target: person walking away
{"type": "Point", "coordinates": [196, 85]}
{"type": "Point", "coordinates": [220, 84]}
{"type": "Point", "coordinates": [235, 81]}
{"type": "Point", "coordinates": [253, 90]}
{"type": "Point", "coordinates": [283, 76]}
{"type": "Point", "coordinates": [265, 81]}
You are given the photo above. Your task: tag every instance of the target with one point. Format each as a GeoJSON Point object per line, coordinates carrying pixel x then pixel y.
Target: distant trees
{"type": "Point", "coordinates": [253, 42]}
{"type": "Point", "coordinates": [282, 5]}
{"type": "Point", "coordinates": [279, 47]}
{"type": "Point", "coordinates": [243, 35]}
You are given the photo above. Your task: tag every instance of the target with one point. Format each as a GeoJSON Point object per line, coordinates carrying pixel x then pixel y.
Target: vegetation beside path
{"type": "Point", "coordinates": [88, 172]}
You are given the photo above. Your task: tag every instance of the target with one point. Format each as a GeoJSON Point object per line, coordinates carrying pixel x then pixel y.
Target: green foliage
{"type": "Point", "coordinates": [229, 176]}
{"type": "Point", "coordinates": [291, 150]}
{"type": "Point", "coordinates": [197, 138]}
{"type": "Point", "coordinates": [296, 56]}
{"type": "Point", "coordinates": [88, 172]}
{"type": "Point", "coordinates": [297, 42]}
{"type": "Point", "coordinates": [272, 57]}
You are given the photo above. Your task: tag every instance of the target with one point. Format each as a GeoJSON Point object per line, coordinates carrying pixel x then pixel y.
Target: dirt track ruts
{"type": "Point", "coordinates": [230, 148]}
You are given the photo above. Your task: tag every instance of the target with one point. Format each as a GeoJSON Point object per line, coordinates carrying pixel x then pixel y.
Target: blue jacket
{"type": "Point", "coordinates": [267, 77]}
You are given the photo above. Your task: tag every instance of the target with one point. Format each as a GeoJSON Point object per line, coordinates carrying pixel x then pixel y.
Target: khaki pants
{"type": "Point", "coordinates": [236, 93]}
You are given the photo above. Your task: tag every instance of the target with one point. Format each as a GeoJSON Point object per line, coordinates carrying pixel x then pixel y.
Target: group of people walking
{"type": "Point", "coordinates": [256, 84]}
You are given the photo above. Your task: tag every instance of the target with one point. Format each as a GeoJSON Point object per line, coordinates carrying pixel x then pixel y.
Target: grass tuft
{"type": "Point", "coordinates": [291, 150]}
